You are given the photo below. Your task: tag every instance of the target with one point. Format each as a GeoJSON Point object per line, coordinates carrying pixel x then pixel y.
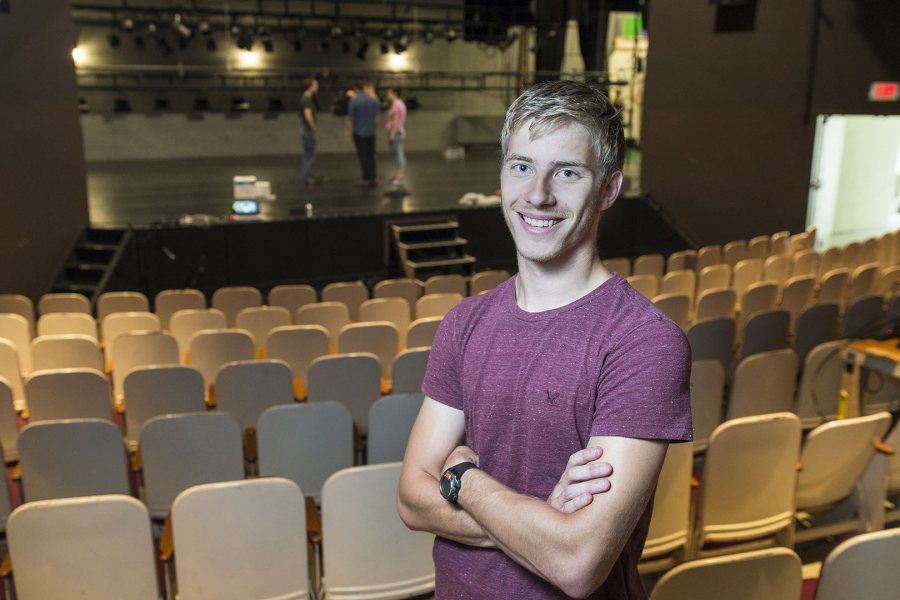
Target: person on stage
{"type": "Point", "coordinates": [396, 133]}
{"type": "Point", "coordinates": [310, 125]}
{"type": "Point", "coordinates": [361, 125]}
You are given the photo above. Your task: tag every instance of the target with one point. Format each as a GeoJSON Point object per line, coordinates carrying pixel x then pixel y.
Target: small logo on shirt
{"type": "Point", "coordinates": [552, 397]}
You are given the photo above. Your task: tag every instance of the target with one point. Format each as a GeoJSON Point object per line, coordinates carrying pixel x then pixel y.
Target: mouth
{"type": "Point", "coordinates": [536, 223]}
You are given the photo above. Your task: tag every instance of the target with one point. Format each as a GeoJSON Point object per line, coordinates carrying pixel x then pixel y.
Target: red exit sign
{"type": "Point", "coordinates": [884, 91]}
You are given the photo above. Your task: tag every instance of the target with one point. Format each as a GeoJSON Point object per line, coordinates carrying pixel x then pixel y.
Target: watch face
{"type": "Point", "coordinates": [449, 486]}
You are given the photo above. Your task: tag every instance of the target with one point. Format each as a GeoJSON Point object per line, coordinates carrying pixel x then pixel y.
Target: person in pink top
{"type": "Point", "coordinates": [538, 377]}
{"type": "Point", "coordinates": [396, 133]}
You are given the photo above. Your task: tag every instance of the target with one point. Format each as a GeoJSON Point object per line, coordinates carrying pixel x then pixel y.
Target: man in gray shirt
{"type": "Point", "coordinates": [362, 123]}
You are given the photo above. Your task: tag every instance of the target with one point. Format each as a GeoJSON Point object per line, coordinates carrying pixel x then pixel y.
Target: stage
{"type": "Point", "coordinates": [177, 214]}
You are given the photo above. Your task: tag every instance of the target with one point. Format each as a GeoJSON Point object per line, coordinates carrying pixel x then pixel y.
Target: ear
{"type": "Point", "coordinates": [610, 190]}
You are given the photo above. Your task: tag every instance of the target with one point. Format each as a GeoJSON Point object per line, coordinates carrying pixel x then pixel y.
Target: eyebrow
{"type": "Point", "coordinates": [554, 164]}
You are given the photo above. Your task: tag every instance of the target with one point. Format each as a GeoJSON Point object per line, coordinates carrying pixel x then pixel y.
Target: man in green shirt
{"type": "Point", "coordinates": [308, 116]}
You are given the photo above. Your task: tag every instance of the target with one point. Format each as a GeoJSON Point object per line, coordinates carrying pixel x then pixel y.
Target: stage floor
{"type": "Point", "coordinates": [142, 193]}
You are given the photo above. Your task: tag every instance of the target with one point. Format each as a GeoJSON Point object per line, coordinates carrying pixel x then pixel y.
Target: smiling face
{"type": "Point", "coordinates": [552, 198]}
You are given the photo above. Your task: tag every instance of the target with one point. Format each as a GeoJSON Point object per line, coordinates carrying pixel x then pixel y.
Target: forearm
{"type": "Point", "coordinates": [422, 508]}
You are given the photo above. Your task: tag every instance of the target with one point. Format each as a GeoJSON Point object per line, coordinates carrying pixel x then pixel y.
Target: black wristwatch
{"type": "Point", "coordinates": [451, 480]}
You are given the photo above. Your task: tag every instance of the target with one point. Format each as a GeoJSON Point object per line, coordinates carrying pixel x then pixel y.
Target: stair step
{"type": "Point", "coordinates": [85, 272]}
{"type": "Point", "coordinates": [79, 287]}
{"type": "Point", "coordinates": [426, 232]}
{"type": "Point", "coordinates": [104, 236]}
{"type": "Point", "coordinates": [94, 253]}
{"type": "Point", "coordinates": [435, 244]}
{"type": "Point", "coordinates": [412, 266]}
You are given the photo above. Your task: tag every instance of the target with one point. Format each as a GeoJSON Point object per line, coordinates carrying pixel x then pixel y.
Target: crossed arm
{"type": "Point", "coordinates": [572, 540]}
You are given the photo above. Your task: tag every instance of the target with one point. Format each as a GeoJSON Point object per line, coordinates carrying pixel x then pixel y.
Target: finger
{"type": "Point", "coordinates": [585, 456]}
{"type": "Point", "coordinates": [586, 472]}
{"type": "Point", "coordinates": [594, 486]}
{"type": "Point", "coordinates": [577, 503]}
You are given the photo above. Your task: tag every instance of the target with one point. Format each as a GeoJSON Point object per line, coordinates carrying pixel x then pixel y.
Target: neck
{"type": "Point", "coordinates": [545, 286]}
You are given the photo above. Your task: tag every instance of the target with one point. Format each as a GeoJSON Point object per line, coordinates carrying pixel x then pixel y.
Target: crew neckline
{"type": "Point", "coordinates": [524, 315]}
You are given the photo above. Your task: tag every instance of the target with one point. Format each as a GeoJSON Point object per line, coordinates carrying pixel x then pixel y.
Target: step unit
{"type": "Point", "coordinates": [431, 248]}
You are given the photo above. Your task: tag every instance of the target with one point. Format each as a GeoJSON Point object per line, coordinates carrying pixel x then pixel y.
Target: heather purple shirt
{"type": "Point", "coordinates": [535, 387]}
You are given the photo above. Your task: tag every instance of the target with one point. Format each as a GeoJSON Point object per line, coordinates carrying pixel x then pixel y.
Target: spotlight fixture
{"type": "Point", "coordinates": [401, 44]}
{"type": "Point", "coordinates": [324, 45]}
{"type": "Point", "coordinates": [204, 27]}
{"type": "Point", "coordinates": [114, 40]}
{"type": "Point", "coordinates": [298, 44]}
{"type": "Point", "coordinates": [244, 39]}
{"type": "Point", "coordinates": [336, 31]}
{"type": "Point", "coordinates": [201, 105]}
{"type": "Point", "coordinates": [121, 105]}
{"type": "Point", "coordinates": [451, 34]}
{"type": "Point", "coordinates": [152, 27]}
{"type": "Point", "coordinates": [179, 26]}
{"type": "Point", "coordinates": [363, 49]}
{"type": "Point", "coordinates": [384, 47]}
{"type": "Point", "coordinates": [239, 105]}
{"type": "Point", "coordinates": [139, 43]}
{"type": "Point", "coordinates": [265, 36]}
{"type": "Point", "coordinates": [128, 24]}
{"type": "Point", "coordinates": [211, 44]}
{"type": "Point", "coordinates": [345, 47]}
{"type": "Point", "coordinates": [389, 33]}
{"type": "Point", "coordinates": [428, 36]}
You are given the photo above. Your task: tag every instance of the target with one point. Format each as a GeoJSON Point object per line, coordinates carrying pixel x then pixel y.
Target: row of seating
{"type": "Point", "coordinates": [798, 250]}
{"type": "Point", "coordinates": [863, 566]}
{"type": "Point", "coordinates": [232, 540]}
{"type": "Point", "coordinates": [242, 388]}
{"type": "Point", "coordinates": [679, 296]}
{"type": "Point", "coordinates": [836, 481]}
{"type": "Point", "coordinates": [231, 300]}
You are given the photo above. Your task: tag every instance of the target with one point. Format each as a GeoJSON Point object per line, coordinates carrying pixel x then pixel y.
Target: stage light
{"type": "Point", "coordinates": [324, 45]}
{"type": "Point", "coordinates": [336, 31]}
{"type": "Point", "coordinates": [121, 105]}
{"type": "Point", "coordinates": [201, 105]}
{"type": "Point", "coordinates": [363, 49]}
{"type": "Point", "coordinates": [248, 58]}
{"type": "Point", "coordinates": [345, 47]}
{"type": "Point", "coordinates": [163, 44]}
{"type": "Point", "coordinates": [389, 34]}
{"type": "Point", "coordinates": [239, 105]}
{"type": "Point", "coordinates": [428, 36]}
{"type": "Point", "coordinates": [179, 26]}
{"type": "Point", "coordinates": [204, 27]}
{"type": "Point", "coordinates": [139, 43]}
{"type": "Point", "coordinates": [298, 44]}
{"type": "Point", "coordinates": [211, 44]}
{"type": "Point", "coordinates": [451, 34]}
{"type": "Point", "coordinates": [384, 47]}
{"type": "Point", "coordinates": [401, 44]}
{"type": "Point", "coordinates": [79, 55]}
{"type": "Point", "coordinates": [128, 24]}
{"type": "Point", "coordinates": [265, 36]}
{"type": "Point", "coordinates": [398, 62]}
{"type": "Point", "coordinates": [114, 40]}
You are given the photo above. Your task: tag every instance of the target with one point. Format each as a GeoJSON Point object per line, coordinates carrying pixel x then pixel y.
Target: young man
{"type": "Point", "coordinates": [396, 133]}
{"type": "Point", "coordinates": [308, 115]}
{"type": "Point", "coordinates": [362, 123]}
{"type": "Point", "coordinates": [564, 357]}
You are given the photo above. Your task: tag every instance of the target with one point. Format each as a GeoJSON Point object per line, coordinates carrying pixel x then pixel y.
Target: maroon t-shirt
{"type": "Point", "coordinates": [535, 387]}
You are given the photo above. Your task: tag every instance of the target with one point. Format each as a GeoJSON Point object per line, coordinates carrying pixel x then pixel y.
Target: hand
{"type": "Point", "coordinates": [459, 455]}
{"type": "Point", "coordinates": [580, 481]}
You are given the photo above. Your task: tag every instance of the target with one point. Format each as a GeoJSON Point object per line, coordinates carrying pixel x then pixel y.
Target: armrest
{"type": "Point", "coordinates": [6, 566]}
{"type": "Point", "coordinates": [211, 395]}
{"type": "Point", "coordinates": [137, 462]}
{"type": "Point", "coordinates": [166, 543]}
{"type": "Point", "coordinates": [250, 447]}
{"type": "Point", "coordinates": [313, 522]}
{"type": "Point", "coordinates": [881, 447]}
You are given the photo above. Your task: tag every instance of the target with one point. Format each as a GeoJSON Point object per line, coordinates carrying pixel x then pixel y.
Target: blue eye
{"type": "Point", "coordinates": [520, 168]}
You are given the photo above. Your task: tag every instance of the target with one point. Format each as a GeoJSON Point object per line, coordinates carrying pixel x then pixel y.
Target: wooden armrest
{"type": "Point", "coordinates": [261, 352]}
{"type": "Point", "coordinates": [137, 462]}
{"type": "Point", "coordinates": [24, 414]}
{"type": "Point", "coordinates": [695, 483]}
{"type": "Point", "coordinates": [119, 405]}
{"type": "Point", "coordinates": [250, 447]}
{"type": "Point", "coordinates": [16, 472]}
{"type": "Point", "coordinates": [166, 543]}
{"type": "Point", "coordinates": [6, 566]}
{"type": "Point", "coordinates": [211, 395]}
{"type": "Point", "coordinates": [359, 440]}
{"type": "Point", "coordinates": [299, 390]}
{"type": "Point", "coordinates": [313, 522]}
{"type": "Point", "coordinates": [385, 386]}
{"type": "Point", "coordinates": [880, 446]}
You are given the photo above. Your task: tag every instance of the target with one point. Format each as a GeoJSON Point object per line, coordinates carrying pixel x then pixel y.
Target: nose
{"type": "Point", "coordinates": [540, 192]}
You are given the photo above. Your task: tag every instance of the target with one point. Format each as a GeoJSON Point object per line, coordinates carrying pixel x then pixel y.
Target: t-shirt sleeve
{"type": "Point", "coordinates": [644, 387]}
{"type": "Point", "coordinates": [443, 376]}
